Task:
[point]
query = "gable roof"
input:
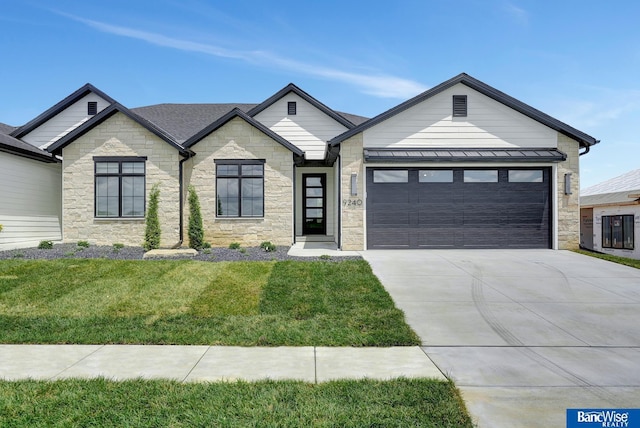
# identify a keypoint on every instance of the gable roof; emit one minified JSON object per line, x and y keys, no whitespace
{"x":308,"y":98}
{"x":236,"y":112}
{"x":12,"y":145}
{"x":463,"y":78}
{"x":183,"y":121}
{"x":59,"y":107}
{"x":629,"y":181}
{"x":104,"y":115}
{"x":623,"y":189}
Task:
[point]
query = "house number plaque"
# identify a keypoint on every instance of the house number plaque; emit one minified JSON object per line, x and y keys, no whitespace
{"x":351,"y":203}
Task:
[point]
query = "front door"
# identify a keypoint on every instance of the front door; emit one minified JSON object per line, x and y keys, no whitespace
{"x":314,"y":209}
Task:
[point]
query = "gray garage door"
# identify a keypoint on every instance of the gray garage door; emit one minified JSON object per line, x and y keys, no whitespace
{"x":458,"y":208}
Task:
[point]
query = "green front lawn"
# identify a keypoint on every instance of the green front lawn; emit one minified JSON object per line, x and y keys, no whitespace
{"x":95,"y":301}
{"x":616,"y":259}
{"x":84,"y":403}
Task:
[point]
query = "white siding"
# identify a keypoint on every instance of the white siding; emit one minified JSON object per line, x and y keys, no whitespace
{"x":598,"y":212}
{"x":488,"y":124}
{"x":30,"y":201}
{"x":64,"y":122}
{"x":309,"y":129}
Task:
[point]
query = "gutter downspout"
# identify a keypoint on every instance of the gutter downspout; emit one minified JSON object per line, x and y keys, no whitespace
{"x":181,"y":201}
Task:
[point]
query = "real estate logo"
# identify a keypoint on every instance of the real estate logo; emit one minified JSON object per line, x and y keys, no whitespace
{"x":603,"y":418}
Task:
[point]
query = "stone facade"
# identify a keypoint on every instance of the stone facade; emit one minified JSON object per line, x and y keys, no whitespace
{"x":239,"y":140}
{"x":568,"y":205}
{"x":118,"y":136}
{"x":353,"y":222}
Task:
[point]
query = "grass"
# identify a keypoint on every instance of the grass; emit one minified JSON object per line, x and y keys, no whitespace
{"x":75,"y":403}
{"x":188,"y":302}
{"x":616,"y":259}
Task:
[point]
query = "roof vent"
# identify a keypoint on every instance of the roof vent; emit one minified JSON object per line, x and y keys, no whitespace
{"x":291,"y":108}
{"x":459,"y":106}
{"x":92,"y":108}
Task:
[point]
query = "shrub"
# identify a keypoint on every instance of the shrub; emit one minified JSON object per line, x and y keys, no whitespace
{"x":206,"y":245}
{"x":117,"y":247}
{"x":152,"y":229}
{"x":83,"y":244}
{"x":268,"y":246}
{"x":45,"y":245}
{"x":325,"y":257}
{"x":196,"y":232}
{"x":234,"y":246}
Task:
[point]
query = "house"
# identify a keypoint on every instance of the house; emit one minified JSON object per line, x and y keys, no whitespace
{"x":30,"y":193}
{"x":610,"y":216}
{"x":461,"y":165}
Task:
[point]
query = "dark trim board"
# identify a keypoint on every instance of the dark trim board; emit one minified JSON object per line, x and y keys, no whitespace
{"x":459,"y":214}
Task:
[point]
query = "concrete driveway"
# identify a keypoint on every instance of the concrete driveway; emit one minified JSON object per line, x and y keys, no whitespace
{"x":525,"y":334}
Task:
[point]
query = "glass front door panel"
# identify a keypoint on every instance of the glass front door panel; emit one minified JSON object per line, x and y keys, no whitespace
{"x":314,"y":211}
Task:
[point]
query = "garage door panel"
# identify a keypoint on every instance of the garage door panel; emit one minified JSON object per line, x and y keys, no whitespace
{"x":390,"y":217}
{"x":390,"y":238}
{"x":443,"y":237}
{"x":417,"y":214}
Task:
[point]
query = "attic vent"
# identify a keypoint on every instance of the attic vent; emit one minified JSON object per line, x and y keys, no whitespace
{"x":92,"y":108}
{"x":291,"y":108}
{"x":459,"y":106}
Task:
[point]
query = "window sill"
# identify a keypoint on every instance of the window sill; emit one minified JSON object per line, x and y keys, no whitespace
{"x":117,"y":219}
{"x":239,"y":218}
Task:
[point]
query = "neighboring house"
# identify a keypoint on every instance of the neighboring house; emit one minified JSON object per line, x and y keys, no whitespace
{"x":460,"y":166}
{"x":610,"y":216}
{"x":30,"y":193}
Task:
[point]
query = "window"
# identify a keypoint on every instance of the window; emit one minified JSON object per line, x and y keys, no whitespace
{"x":119,"y":187}
{"x":292,"y":108}
{"x":525,"y":176}
{"x":435,"y":176}
{"x":481,"y":176}
{"x":459,"y":106}
{"x":92,"y":108}
{"x":390,"y":176}
{"x":617,"y":231}
{"x":240,"y":188}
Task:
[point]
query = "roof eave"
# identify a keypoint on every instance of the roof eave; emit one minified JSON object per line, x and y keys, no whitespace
{"x":104,"y":115}
{"x":59,"y":107}
{"x":584,"y":139}
{"x":305,"y":96}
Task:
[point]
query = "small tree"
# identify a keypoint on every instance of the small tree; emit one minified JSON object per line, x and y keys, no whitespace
{"x":196,"y":232}
{"x":152,"y":230}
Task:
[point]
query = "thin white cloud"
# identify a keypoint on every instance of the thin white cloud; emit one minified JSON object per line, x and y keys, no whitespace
{"x":609,"y":107}
{"x":519,"y":15}
{"x":379,"y":85}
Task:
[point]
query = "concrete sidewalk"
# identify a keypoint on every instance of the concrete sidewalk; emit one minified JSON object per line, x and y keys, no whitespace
{"x":212,"y":363}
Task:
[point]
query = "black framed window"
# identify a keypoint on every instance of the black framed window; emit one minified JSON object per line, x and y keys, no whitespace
{"x":240,"y":188}
{"x":119,"y":187}
{"x":618,"y":231}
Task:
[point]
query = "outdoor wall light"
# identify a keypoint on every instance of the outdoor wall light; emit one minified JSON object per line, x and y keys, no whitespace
{"x":354,"y":184}
{"x":567,"y":184}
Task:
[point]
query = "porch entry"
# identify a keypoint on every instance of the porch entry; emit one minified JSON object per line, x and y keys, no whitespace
{"x":315,"y":204}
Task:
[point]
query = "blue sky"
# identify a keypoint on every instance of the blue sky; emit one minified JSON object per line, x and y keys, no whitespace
{"x":578,"y":61}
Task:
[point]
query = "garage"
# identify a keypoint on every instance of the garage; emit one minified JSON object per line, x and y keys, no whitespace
{"x":492,"y":207}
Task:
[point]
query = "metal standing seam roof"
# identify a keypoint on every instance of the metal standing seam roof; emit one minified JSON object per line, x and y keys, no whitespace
{"x":463,"y":155}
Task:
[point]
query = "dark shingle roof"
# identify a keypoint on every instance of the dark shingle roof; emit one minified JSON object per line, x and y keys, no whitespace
{"x":183,"y":121}
{"x":10,"y":144}
{"x":6,"y":129}
{"x":104,"y":115}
